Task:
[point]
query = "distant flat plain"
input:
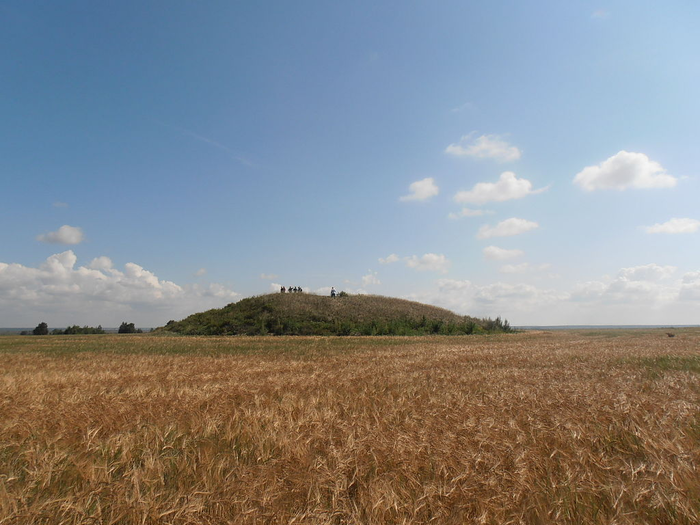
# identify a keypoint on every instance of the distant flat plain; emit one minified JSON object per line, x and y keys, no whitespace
{"x":565,"y":426}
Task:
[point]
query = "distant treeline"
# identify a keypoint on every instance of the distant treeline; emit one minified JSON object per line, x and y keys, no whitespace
{"x":43,"y":329}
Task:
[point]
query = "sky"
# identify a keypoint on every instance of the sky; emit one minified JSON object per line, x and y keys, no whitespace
{"x":536,"y":161}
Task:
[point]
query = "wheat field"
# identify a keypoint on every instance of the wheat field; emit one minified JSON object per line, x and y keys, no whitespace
{"x":570,"y":427}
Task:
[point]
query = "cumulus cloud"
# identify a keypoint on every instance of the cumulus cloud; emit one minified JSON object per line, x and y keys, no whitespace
{"x":421,"y":190}
{"x":64,"y":235}
{"x":428,"y":262}
{"x":507,"y":188}
{"x":523,"y":268}
{"x":467,"y":212}
{"x":649,"y":284}
{"x":647,"y":272}
{"x":60,"y":292}
{"x":370,"y":278}
{"x":675,"y":226}
{"x":390,"y":259}
{"x":690,"y":287}
{"x":644,"y":294}
{"x":484,"y":147}
{"x":432,"y":262}
{"x":101,"y":263}
{"x":625,"y":170}
{"x":506,"y":228}
{"x":494,"y":253}
{"x":513,"y":301}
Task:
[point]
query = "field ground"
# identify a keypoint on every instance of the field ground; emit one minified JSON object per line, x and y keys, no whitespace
{"x":569,"y":427}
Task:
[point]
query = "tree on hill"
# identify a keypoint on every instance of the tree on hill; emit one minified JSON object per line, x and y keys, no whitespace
{"x":127,"y":328}
{"x":41,"y":329}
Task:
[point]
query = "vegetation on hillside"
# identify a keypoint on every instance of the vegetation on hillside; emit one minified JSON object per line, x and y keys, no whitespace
{"x":307,"y":314}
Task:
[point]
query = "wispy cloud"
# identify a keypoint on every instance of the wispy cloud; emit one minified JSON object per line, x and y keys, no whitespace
{"x":467,"y":106}
{"x":468,"y":212}
{"x":484,"y":147}
{"x":506,"y":228}
{"x":494,"y":253}
{"x":201,"y":138}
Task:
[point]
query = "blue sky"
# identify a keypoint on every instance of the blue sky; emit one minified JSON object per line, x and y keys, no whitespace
{"x":534,"y":160}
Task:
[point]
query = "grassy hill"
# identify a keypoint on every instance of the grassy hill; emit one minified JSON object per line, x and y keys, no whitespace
{"x":308,"y":314}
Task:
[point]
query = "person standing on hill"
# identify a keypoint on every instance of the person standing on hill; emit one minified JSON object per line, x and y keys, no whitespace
{"x":283,"y":289}
{"x":332,"y":292}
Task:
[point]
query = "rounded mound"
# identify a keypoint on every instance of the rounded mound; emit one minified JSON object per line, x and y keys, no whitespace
{"x":308,"y":314}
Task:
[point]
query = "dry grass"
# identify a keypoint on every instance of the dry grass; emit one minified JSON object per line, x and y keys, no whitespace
{"x":570,"y":427}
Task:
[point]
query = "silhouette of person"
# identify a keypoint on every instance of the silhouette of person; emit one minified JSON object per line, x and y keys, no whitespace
{"x":332,"y":292}
{"x":282,"y":290}
{"x":300,"y":290}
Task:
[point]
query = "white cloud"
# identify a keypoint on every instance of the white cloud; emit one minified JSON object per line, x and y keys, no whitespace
{"x":507,"y":188}
{"x":101,"y":263}
{"x":690,"y":287}
{"x":514,"y":302}
{"x":268,"y":276}
{"x":645,"y":294}
{"x":494,"y":253}
{"x":506,"y":228}
{"x":648,"y":284}
{"x":514,"y":268}
{"x":60,"y":293}
{"x":467,"y":212}
{"x":463,"y":107}
{"x":523,"y":268}
{"x":390,"y":259}
{"x":64,"y":235}
{"x":484,"y":147}
{"x":647,"y":272}
{"x":200,"y":272}
{"x":370,"y":278}
{"x":625,"y":170}
{"x":421,"y":190}
{"x":429,"y":262}
{"x":675,"y":226}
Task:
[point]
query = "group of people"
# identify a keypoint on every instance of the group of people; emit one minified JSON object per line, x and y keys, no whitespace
{"x":297,"y":289}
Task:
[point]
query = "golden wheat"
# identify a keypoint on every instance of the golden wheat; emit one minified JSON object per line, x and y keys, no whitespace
{"x":562,"y":427}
